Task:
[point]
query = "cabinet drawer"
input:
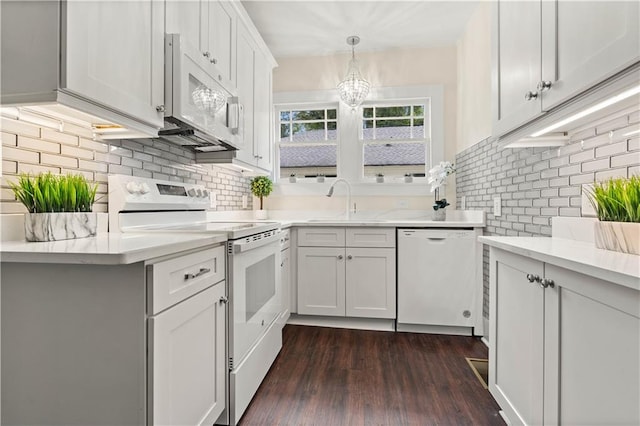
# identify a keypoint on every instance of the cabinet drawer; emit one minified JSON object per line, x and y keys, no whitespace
{"x":173,"y":280}
{"x":321,"y":237}
{"x":371,"y":237}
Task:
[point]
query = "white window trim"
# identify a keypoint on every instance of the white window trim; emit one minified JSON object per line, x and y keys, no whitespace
{"x":350,"y":144}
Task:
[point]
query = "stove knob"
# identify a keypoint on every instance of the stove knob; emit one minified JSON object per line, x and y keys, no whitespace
{"x":144,"y":188}
{"x":191,"y":192}
{"x":199,"y":193}
{"x":205,"y":193}
{"x":133,"y":187}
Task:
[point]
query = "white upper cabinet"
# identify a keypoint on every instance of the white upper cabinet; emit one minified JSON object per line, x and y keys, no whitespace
{"x":547,"y":52}
{"x":190,"y":20}
{"x":584,"y":43}
{"x":102,"y":58}
{"x":262,"y":113}
{"x":115,"y":55}
{"x":245,"y":54}
{"x":221,"y":38}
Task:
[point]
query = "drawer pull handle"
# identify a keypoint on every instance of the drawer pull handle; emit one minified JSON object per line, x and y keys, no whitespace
{"x":202,"y":271}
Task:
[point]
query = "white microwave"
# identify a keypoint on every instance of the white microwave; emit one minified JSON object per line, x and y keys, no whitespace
{"x":200,"y":110}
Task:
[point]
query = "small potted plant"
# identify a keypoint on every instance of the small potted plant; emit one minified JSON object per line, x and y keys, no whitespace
{"x":292,"y":178}
{"x":261,"y":186}
{"x":408,"y":178}
{"x":379,"y":177}
{"x":617,"y":206}
{"x":58,"y":207}
{"x":320,"y":177}
{"x":438,"y":177}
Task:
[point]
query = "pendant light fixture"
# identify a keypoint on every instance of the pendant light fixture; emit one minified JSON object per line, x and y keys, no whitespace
{"x":353,"y":89}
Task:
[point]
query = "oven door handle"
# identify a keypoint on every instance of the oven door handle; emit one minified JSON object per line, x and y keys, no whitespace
{"x":244,"y":245}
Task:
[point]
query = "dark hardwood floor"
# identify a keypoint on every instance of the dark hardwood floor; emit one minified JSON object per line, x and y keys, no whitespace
{"x":329,"y":376}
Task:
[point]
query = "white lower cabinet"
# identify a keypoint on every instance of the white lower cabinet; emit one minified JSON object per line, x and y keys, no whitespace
{"x":567,"y":353}
{"x":346,"y":281}
{"x":187,"y":368}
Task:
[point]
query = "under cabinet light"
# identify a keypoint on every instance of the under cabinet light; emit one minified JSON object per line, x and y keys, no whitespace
{"x":21,"y":114}
{"x":597,"y":107}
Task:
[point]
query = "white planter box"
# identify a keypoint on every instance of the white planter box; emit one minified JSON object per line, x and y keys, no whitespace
{"x":618,"y":236}
{"x":59,"y":226}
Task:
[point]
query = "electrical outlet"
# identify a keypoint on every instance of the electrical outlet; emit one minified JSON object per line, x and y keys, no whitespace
{"x":587,"y":208}
{"x":245,"y":201}
{"x":463,"y":202}
{"x":497,"y":206}
{"x":213,"y":200}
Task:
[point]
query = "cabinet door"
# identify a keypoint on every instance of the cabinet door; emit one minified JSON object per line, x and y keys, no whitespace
{"x":371,"y":282}
{"x":516,"y":63}
{"x":220,"y":38}
{"x":244,"y":77}
{"x":114,"y":55}
{"x":263,"y":146}
{"x":516,"y":344}
{"x":189,"y":19}
{"x":592,"y":351}
{"x":285,"y":274}
{"x":187,"y":361}
{"x":585,"y":42}
{"x":321,"y":281}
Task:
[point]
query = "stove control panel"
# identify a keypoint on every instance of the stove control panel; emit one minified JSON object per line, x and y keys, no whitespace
{"x":130,"y":193}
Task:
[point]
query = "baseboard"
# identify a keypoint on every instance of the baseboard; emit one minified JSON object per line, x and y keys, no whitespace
{"x":435,"y":329}
{"x":377,"y":324}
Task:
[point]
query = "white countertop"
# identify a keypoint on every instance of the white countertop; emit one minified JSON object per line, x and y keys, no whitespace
{"x":105,"y":249}
{"x":392,"y":223}
{"x":579,"y":256}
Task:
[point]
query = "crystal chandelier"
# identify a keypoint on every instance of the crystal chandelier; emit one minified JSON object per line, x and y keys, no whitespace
{"x":208,"y":100}
{"x":353,"y":89}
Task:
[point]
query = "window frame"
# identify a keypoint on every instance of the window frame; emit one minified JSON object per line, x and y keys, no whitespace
{"x":350,"y":156}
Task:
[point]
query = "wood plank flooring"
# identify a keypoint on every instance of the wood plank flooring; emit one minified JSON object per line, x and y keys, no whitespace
{"x":327,"y":376}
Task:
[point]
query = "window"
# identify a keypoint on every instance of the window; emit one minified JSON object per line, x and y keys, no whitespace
{"x":308,"y":141}
{"x":395,"y":139}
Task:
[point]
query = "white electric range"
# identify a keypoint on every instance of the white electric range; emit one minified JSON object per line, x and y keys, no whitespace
{"x":254,"y":337}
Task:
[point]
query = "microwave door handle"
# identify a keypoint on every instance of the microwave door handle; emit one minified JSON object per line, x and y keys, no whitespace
{"x":242,"y":246}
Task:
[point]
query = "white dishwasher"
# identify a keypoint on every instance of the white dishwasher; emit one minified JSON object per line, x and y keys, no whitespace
{"x":437,"y":288}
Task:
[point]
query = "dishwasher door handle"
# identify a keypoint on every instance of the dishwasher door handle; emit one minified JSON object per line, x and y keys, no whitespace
{"x":436,"y":238}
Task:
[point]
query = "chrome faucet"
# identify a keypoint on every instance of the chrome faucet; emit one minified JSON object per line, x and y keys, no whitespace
{"x":330,"y":193}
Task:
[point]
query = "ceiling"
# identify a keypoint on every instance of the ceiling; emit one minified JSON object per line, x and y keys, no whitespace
{"x":321,"y":27}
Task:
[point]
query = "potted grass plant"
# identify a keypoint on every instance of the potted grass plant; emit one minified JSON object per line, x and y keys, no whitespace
{"x":261,"y":186}
{"x":617,"y":205}
{"x":58,"y":207}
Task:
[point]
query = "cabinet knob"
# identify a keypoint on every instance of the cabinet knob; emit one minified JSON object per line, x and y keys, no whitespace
{"x":544,"y":85}
{"x":223,"y":299}
{"x":349,"y":257}
{"x":546,"y":282}
{"x":219,"y":77}
{"x":530,"y":95}
{"x":532,"y":278}
{"x":160,"y":108}
{"x":213,"y":61}
{"x":206,"y":54}
{"x":340,"y":257}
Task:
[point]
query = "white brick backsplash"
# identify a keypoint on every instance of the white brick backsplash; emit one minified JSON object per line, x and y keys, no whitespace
{"x":8,"y":139}
{"x":54,"y":136}
{"x":94,"y":145}
{"x":9,"y":167}
{"x":120,"y":170}
{"x":529,"y":200}
{"x":38,"y":145}
{"x":35,"y":169}
{"x":630,"y":159}
{"x":19,"y":128}
{"x":87,"y":175}
{"x":130,"y":162}
{"x":20,"y":155}
{"x":71,"y":151}
{"x":93,"y":165}
{"x":57,"y":160}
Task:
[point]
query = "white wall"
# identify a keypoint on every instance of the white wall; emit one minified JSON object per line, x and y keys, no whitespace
{"x":474,"y":79}
{"x":397,"y":68}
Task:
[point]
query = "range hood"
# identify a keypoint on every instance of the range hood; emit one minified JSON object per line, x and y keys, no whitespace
{"x":182,"y":134}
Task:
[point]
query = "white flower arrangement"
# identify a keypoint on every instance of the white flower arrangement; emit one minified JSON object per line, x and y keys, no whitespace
{"x":438,"y":174}
{"x":437,"y":177}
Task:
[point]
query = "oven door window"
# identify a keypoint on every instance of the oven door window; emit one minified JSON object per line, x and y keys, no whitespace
{"x":260,"y":287}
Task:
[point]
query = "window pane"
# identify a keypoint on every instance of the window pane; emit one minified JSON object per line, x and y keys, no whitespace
{"x":394,"y":159}
{"x":367,"y":112}
{"x":309,"y":132}
{"x":394,"y":123}
{"x":418,"y":110}
{"x":317,"y":114}
{"x":395,"y":111}
{"x":285,"y":131}
{"x":418,"y":132}
{"x":331,"y":114}
{"x":284,"y":115}
{"x":332,"y":130}
{"x":308,"y":160}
